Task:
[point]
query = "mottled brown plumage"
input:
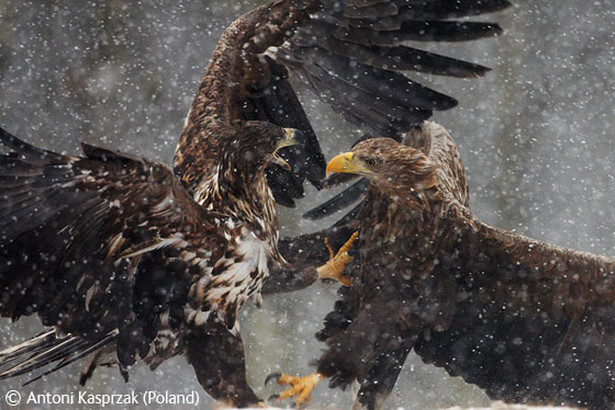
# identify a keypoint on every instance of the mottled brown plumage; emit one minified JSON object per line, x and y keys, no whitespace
{"x":525,"y":320}
{"x":111,"y":249}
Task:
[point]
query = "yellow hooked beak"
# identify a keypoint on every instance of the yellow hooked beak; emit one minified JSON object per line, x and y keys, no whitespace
{"x":291,"y":136}
{"x":345,"y":163}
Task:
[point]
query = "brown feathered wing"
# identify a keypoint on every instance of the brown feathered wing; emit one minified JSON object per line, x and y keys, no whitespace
{"x":526,"y":321}
{"x":351,"y":54}
{"x":531,"y":322}
{"x":108,"y":248}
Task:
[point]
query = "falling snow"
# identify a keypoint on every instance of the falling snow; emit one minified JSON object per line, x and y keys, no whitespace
{"x":537,"y":136}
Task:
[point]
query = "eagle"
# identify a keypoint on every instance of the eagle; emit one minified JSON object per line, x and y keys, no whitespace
{"x":527,"y":321}
{"x":111,"y":249}
{"x":129,"y":259}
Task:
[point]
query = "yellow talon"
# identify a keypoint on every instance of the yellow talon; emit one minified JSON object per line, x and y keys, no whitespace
{"x":335,"y":266}
{"x":329,"y":248}
{"x":300,"y":387}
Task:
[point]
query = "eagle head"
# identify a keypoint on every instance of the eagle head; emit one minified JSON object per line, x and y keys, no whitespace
{"x":258,"y":145}
{"x":391,"y":167}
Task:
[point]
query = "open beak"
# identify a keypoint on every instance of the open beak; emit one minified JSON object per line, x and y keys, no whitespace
{"x":291,"y":137}
{"x":345,"y":163}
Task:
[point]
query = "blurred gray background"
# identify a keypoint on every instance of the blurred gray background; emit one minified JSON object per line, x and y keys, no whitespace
{"x":537,"y":137}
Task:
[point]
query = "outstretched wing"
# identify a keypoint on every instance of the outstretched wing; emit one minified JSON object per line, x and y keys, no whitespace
{"x":350,"y":53}
{"x":101,"y":242}
{"x":370,"y":37}
{"x":533,"y":322}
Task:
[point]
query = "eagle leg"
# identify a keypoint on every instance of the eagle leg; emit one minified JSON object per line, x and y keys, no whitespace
{"x":300,"y":387}
{"x":88,"y":371}
{"x":335,"y":266}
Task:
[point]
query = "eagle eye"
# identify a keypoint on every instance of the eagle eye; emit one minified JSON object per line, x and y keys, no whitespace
{"x":371,"y":162}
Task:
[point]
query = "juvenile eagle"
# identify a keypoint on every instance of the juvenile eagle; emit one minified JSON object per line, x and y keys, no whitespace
{"x":526,"y":321}
{"x":110,"y":249}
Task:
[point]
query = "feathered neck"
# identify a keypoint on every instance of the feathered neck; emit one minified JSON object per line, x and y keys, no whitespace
{"x":241,"y":191}
{"x":424,"y":202}
{"x":421,"y":202}
{"x":420,"y":217}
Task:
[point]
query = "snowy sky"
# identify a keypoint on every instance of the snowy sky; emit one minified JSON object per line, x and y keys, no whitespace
{"x":537,"y":137}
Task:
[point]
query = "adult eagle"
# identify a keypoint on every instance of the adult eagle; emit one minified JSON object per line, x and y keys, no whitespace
{"x":527,"y":321}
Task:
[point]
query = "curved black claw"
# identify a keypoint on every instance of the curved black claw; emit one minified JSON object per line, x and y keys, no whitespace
{"x":272,"y":376}
{"x":276,"y":397}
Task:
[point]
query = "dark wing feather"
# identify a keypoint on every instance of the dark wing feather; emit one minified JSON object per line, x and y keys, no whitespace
{"x":364,"y":41}
{"x":74,"y":231}
{"x":422,"y":9}
{"x":349,"y":53}
{"x":536,"y":323}
{"x":350,"y":85}
{"x":340,"y":201}
{"x":305,"y":253}
{"x":64,"y":350}
{"x":276,"y":102}
{"x":416,"y":31}
{"x":401,"y":58}
{"x":447,"y":9}
{"x":34,"y":345}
